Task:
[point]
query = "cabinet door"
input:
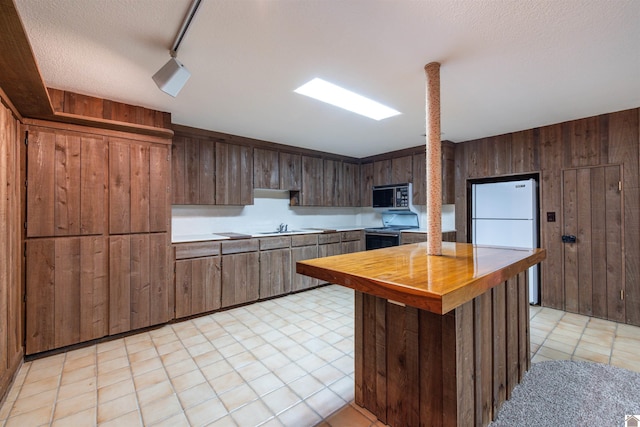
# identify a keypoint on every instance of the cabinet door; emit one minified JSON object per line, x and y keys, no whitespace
{"x":329,"y":249}
{"x":134,"y":192}
{"x":401,"y":169}
{"x":138,"y":286}
{"x":206,"y":173}
{"x":312,"y":181}
{"x":332,"y":183}
{"x":197,"y":286}
{"x":290,"y":171}
{"x":300,"y":282}
{"x":67,"y":291}
{"x":240,"y":278}
{"x":179,"y":172}
{"x":266,"y":169}
{"x":350,"y":195}
{"x":66,"y":190}
{"x":419,"y":179}
{"x":234,"y":174}
{"x":366,"y":184}
{"x":382,"y":172}
{"x":275,"y":273}
{"x":448,"y":173}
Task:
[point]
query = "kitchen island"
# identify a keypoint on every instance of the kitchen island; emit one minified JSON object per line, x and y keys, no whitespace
{"x":439,"y":340}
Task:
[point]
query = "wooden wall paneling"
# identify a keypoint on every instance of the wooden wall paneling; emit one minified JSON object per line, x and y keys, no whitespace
{"x":290,"y":171}
{"x":66,"y":304}
{"x":583,"y":232}
{"x":450,"y":363}
{"x":6,"y":264}
{"x":366,"y":183}
{"x":570,"y":227}
{"x":583,"y":146}
{"x":94,"y":288}
{"x":401,"y":169}
{"x":524,"y":335}
{"x":431,"y":364}
{"x":159,"y":208}
{"x":119,"y":284}
{"x":119,"y":187}
{"x":461,"y":174}
{"x":525,"y":154}
{"x":206,"y":172}
{"x":67,"y":191}
{"x":140,"y":285}
{"x":40,"y":289}
{"x":93,"y":185}
{"x":419,"y":179}
{"x":332,"y":186}
{"x":465,"y":364}
{"x":382,"y":172}
{"x":178,"y":171}
{"x":598,"y":250}
{"x":498,"y":155}
{"x":139,"y":192}
{"x":266,"y":169}
{"x":358,"y":326}
{"x":477,"y":158}
{"x":312,"y":181}
{"x":41,"y":183}
{"x":614,"y":244}
{"x":499,"y":343}
{"x":483,"y":364}
{"x":550,"y":148}
{"x":161,"y":291}
{"x":350,"y":194}
{"x":403,"y":392}
{"x":512,"y":342}
{"x":623,"y":134}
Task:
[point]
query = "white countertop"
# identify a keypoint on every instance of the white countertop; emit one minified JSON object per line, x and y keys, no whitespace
{"x":423,"y":230}
{"x":197,"y":238}
{"x":185,"y":238}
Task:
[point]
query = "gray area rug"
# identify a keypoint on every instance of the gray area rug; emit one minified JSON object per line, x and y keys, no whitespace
{"x":566,"y":393}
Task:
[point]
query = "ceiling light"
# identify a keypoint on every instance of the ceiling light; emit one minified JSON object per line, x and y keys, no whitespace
{"x":173,"y":75}
{"x":335,"y":95}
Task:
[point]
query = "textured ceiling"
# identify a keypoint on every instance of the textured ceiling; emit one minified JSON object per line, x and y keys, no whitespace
{"x":506,"y":65}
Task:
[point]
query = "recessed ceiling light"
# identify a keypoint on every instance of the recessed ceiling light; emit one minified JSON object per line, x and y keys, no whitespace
{"x":335,"y":95}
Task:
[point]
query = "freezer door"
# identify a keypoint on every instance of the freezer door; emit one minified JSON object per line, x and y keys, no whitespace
{"x":515,"y":233}
{"x":513,"y":199}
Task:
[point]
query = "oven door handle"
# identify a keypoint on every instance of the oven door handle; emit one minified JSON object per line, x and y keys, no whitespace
{"x":382,"y":234}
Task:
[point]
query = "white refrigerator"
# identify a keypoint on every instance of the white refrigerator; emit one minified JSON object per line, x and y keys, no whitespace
{"x":505,"y":214}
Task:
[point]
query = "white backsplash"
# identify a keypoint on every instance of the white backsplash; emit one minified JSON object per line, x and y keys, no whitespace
{"x":270,"y":208}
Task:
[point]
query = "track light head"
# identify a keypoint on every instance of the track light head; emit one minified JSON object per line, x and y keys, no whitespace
{"x":172,"y":77}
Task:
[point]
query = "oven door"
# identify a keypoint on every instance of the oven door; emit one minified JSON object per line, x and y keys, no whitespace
{"x":381,"y":240}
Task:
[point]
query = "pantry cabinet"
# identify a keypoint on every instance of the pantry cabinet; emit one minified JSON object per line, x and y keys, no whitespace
{"x":67,"y":291}
{"x":66,"y":187}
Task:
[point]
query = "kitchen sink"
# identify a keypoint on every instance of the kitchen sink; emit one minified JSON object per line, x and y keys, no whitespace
{"x":281,"y":232}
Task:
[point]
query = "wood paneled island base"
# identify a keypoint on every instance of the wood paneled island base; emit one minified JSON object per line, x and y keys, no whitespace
{"x":417,"y":364}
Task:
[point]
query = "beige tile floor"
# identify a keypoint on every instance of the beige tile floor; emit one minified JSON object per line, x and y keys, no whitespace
{"x":283,"y":362}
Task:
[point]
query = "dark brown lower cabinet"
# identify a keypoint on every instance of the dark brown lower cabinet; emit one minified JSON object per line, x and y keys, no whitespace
{"x":139,"y":294}
{"x":352,"y":241}
{"x":67,"y":291}
{"x":303,"y":247}
{"x":275,"y":272}
{"x":329,"y":244}
{"x":240,"y":272}
{"x":197,"y":285}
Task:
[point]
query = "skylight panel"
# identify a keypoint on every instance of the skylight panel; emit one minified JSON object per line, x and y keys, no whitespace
{"x":335,"y":95}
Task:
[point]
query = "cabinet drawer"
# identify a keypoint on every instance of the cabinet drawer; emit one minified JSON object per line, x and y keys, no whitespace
{"x":239,"y":246}
{"x":329,"y":238}
{"x":281,"y":242}
{"x":351,"y":235}
{"x":408,"y":238}
{"x":304,"y":240}
{"x":196,"y":250}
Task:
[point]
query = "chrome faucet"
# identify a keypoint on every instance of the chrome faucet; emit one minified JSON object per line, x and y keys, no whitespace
{"x":282,"y":228}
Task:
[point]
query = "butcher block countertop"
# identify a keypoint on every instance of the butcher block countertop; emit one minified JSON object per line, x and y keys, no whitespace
{"x":407,"y":275}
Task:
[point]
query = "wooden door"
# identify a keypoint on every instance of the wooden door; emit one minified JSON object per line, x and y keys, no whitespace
{"x":65,"y":183}
{"x":593,"y":265}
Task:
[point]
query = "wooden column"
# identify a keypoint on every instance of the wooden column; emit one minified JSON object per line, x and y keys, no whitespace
{"x":434,"y":161}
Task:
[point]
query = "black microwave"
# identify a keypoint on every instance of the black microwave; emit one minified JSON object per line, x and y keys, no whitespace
{"x":396,"y":196}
